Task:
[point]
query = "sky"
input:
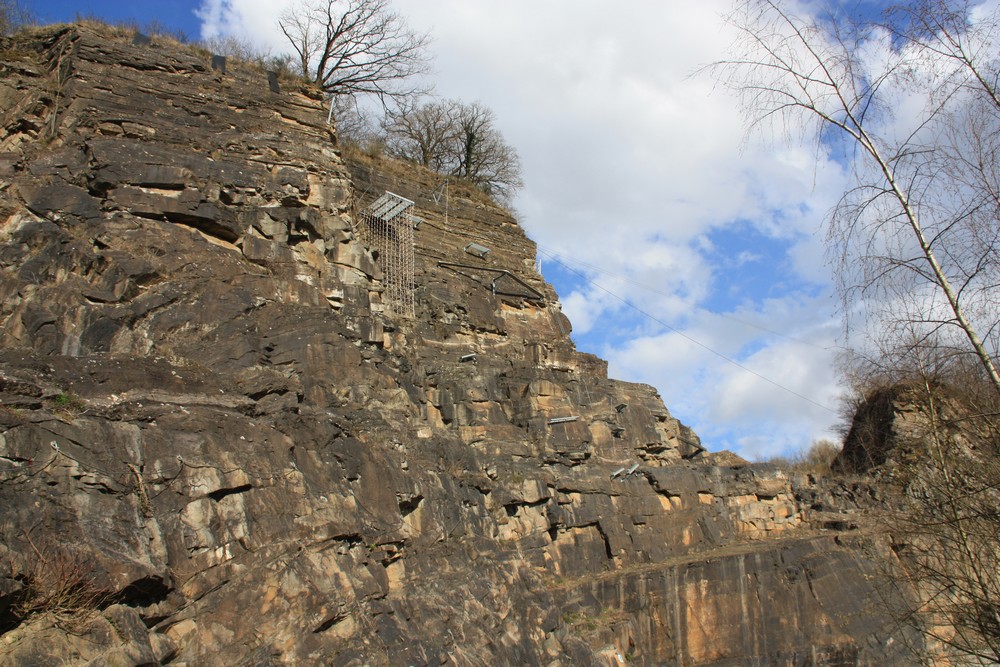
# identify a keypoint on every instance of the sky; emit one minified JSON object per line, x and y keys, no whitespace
{"x":685,"y":252}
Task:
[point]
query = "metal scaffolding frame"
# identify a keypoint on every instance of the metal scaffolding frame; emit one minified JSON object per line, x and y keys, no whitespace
{"x":387,"y":227}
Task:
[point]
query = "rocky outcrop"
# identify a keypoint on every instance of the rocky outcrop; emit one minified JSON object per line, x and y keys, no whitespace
{"x":218,"y":445}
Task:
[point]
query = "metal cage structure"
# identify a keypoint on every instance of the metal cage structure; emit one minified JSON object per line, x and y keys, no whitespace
{"x":386,"y":226}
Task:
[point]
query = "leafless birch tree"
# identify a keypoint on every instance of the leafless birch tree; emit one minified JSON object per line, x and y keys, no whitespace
{"x":911,"y":102}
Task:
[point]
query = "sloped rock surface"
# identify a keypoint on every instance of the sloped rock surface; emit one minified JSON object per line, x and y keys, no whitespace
{"x":218,"y":448}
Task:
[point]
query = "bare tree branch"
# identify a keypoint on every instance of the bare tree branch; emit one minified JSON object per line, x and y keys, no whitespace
{"x":356,"y":47}
{"x":917,"y":245}
{"x":916,"y":208}
{"x":13,"y":15}
{"x":456,"y":138}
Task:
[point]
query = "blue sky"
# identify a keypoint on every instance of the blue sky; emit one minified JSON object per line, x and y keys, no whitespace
{"x":179,"y":14}
{"x":688,"y":255}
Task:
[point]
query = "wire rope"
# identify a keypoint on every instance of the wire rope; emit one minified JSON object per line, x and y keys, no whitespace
{"x":562,"y":260}
{"x":687,"y":337}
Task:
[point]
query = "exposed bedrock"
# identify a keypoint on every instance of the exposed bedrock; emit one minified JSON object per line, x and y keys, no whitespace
{"x":219,"y":446}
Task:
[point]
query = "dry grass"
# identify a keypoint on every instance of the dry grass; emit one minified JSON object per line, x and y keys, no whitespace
{"x":370,"y":154}
{"x":817,"y":460}
{"x":56,"y":583}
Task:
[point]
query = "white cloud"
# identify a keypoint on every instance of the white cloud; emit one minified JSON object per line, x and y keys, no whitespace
{"x":256,"y":20}
{"x":585,"y":308}
{"x":632,"y":167}
{"x":210,"y":15}
{"x":729,"y":406}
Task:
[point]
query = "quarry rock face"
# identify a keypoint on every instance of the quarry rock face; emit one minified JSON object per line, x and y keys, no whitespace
{"x":222,"y":444}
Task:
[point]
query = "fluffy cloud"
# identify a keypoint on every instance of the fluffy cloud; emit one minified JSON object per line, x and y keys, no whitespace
{"x":756,"y":391}
{"x":255,"y":20}
{"x":638,"y":176}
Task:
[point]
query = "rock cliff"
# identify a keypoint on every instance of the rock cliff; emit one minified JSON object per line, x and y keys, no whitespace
{"x":221,"y":443}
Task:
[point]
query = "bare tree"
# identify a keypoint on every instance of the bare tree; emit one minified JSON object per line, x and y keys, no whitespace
{"x":911,"y":105}
{"x":946,"y":31}
{"x":352,"y":47}
{"x":916,"y":238}
{"x":358,"y":124}
{"x":424,"y":133}
{"x":483,"y":156}
{"x":13,"y":15}
{"x":910,"y":102}
{"x":457,"y":138}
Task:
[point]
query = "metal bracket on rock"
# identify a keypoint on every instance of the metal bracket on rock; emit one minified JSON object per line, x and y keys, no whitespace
{"x":499,"y":274}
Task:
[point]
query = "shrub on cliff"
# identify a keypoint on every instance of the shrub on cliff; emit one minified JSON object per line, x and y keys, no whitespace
{"x":934,"y":442}
{"x":816,"y":460}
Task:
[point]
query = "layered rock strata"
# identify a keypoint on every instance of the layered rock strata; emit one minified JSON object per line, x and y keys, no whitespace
{"x":217,"y":445}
